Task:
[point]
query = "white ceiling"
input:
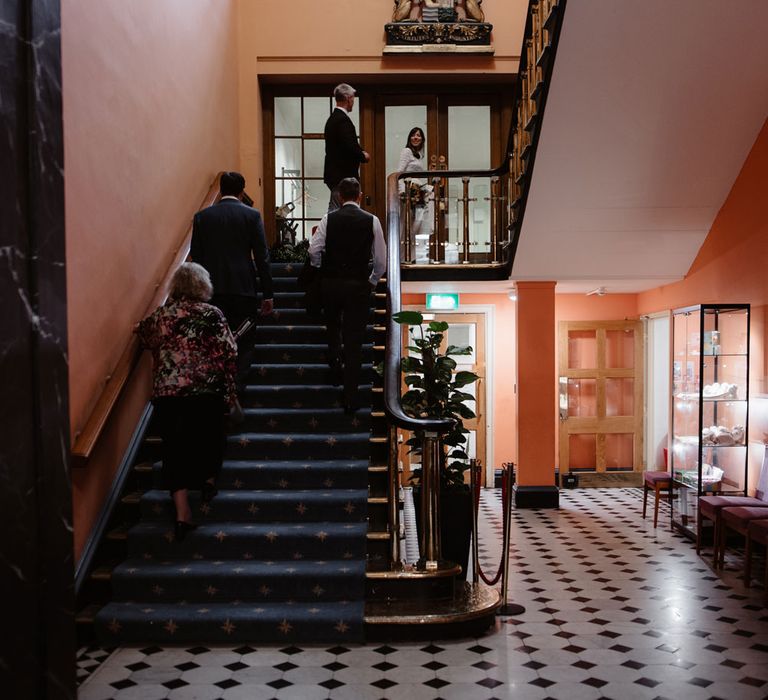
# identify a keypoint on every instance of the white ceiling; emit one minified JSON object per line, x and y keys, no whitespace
{"x":653,"y":107}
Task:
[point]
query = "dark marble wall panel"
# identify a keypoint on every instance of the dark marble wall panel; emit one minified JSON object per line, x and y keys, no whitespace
{"x":37,"y":645}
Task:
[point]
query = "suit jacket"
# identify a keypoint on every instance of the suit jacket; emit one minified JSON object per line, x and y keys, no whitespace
{"x":343,"y":154}
{"x":228,"y":240}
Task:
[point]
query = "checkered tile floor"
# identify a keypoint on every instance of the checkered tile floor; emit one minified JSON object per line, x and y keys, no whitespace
{"x":614,"y":609}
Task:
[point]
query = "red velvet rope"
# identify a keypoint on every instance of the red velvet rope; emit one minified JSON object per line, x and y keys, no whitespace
{"x":504,"y":486}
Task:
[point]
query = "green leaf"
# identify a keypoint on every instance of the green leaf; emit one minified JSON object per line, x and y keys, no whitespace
{"x":466,"y":412}
{"x":412,"y":318}
{"x":460,"y":396}
{"x":412,"y":364}
{"x":464,"y":378}
{"x":446,"y":361}
{"x":414,"y":381}
{"x":438,"y":326}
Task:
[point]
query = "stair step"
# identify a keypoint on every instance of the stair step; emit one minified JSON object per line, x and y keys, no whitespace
{"x":288,"y":446}
{"x":264,"y":505}
{"x":246,"y":580}
{"x":250,"y":541}
{"x":119,"y":623}
{"x":306,"y":420}
{"x":298,"y":396}
{"x":300,"y":352}
{"x":306,"y":333}
{"x":286,"y":374}
{"x":293,"y":474}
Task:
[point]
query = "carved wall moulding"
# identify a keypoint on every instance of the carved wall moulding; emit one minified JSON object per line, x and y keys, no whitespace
{"x":438,"y":37}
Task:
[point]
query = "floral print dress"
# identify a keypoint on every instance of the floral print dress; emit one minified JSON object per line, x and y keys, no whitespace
{"x":193,"y":350}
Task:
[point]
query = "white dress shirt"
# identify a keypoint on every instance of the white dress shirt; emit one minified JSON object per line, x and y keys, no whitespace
{"x":378,"y":247}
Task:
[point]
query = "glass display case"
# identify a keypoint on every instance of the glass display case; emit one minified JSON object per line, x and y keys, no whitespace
{"x":710,"y":411}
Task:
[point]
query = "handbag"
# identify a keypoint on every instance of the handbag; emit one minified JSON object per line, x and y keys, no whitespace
{"x":309,"y":280}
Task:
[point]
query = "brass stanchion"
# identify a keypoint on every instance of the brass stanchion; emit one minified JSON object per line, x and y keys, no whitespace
{"x":508,"y":608}
{"x":393,"y":502}
{"x":430,"y":502}
{"x":474,"y":481}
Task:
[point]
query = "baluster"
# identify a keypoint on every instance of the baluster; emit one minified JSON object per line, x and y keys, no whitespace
{"x":466,"y":200}
{"x":430,"y":502}
{"x":434,"y":241}
{"x":407,"y":219}
{"x":495,"y":231}
{"x":393,"y":502}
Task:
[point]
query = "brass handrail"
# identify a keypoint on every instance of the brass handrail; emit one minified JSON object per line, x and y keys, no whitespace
{"x":88,"y":437}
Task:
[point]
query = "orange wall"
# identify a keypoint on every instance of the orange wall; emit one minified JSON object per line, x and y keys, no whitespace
{"x":732,"y":267}
{"x":150,"y":115}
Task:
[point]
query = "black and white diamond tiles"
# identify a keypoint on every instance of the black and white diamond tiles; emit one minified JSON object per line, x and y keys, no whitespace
{"x":614,"y":609}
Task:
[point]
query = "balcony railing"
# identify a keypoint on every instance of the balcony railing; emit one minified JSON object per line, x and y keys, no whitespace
{"x":451,"y":220}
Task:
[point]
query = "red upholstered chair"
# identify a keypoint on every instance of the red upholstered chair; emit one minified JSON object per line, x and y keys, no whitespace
{"x":756,"y":532}
{"x":710,"y":507}
{"x":738,"y":520}
{"x":659,"y":482}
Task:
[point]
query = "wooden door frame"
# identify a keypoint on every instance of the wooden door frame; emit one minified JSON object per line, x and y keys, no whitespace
{"x":617,"y":424}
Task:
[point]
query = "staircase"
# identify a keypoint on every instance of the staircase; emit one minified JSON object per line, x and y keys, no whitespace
{"x":280,"y":553}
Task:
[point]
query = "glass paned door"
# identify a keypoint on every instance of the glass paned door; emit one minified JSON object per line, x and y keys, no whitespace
{"x":601,"y":385}
{"x":464,"y":329}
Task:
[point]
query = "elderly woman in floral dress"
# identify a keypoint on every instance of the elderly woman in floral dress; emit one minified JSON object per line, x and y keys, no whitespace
{"x":194,"y":356}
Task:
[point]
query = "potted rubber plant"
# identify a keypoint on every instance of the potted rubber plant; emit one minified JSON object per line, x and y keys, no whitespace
{"x":435,"y":390}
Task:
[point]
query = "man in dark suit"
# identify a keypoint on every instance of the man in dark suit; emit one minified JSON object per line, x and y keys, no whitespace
{"x":345,"y":241}
{"x":343,"y":153}
{"x":228,"y":240}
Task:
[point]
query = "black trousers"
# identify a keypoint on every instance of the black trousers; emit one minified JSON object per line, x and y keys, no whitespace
{"x":236,"y":308}
{"x":192,"y":429}
{"x":346,"y":304}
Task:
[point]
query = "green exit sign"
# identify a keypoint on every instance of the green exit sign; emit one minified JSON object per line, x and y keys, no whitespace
{"x":443,"y":301}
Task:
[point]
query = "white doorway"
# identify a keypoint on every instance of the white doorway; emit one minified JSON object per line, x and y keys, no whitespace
{"x":658,"y":397}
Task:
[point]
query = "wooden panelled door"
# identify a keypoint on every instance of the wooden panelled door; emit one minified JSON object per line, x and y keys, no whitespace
{"x":601,"y":399}
{"x":464,"y":329}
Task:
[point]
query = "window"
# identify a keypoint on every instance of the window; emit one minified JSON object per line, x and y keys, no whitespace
{"x":301,"y":197}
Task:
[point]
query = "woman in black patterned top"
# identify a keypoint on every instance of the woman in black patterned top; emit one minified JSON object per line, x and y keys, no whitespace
{"x":194,"y":356}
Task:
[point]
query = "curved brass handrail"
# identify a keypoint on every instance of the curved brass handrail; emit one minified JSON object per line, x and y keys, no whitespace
{"x":86,"y":439}
{"x":392,"y":377}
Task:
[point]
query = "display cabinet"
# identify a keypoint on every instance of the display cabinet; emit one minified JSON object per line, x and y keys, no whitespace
{"x":710,"y":409}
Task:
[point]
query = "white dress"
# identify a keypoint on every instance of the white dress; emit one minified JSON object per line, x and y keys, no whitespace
{"x":422,"y":221}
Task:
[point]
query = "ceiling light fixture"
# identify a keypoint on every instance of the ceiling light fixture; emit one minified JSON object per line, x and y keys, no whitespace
{"x":598,"y":291}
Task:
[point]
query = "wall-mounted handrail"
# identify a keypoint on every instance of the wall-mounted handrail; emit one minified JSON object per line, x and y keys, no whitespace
{"x":88,"y":437}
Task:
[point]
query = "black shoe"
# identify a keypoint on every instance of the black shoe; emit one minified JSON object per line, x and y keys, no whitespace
{"x":208,"y":492}
{"x":182,"y":528}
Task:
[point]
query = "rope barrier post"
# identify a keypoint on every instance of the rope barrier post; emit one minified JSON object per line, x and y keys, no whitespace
{"x":393,"y":495}
{"x":475,"y":491}
{"x":507,"y":608}
{"x":430,"y":502}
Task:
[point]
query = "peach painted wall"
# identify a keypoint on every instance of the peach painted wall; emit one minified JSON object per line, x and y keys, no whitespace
{"x":732,"y":267}
{"x":150,"y":116}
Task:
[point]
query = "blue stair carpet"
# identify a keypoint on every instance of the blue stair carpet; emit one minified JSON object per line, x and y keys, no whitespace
{"x":279,"y":554}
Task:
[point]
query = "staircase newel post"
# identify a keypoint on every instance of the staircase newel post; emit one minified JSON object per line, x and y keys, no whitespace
{"x":407,"y":222}
{"x":430,"y":502}
{"x":393,"y":495}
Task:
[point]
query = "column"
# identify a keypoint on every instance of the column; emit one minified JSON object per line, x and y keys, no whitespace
{"x":536,"y":396}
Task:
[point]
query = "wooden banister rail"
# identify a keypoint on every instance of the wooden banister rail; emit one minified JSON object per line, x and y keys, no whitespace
{"x":88,"y":437}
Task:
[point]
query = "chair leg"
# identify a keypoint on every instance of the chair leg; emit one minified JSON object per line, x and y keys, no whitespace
{"x":699,"y":529}
{"x":748,"y":562}
{"x":657,"y":495}
{"x":721,"y":530}
{"x":645,"y":498}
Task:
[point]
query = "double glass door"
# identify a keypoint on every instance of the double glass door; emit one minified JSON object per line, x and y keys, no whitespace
{"x":462,"y":133}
